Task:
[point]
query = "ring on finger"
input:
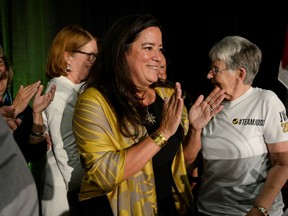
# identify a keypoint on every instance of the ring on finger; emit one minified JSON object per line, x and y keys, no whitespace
{"x":211,"y":108}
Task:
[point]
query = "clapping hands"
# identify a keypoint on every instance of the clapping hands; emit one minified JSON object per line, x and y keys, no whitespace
{"x":22,"y":100}
{"x":24,"y":96}
{"x":40,"y":102}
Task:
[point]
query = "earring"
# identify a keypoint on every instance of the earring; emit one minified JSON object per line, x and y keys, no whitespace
{"x":68,"y":68}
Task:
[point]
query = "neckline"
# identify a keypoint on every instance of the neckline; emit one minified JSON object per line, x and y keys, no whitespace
{"x":149,"y":97}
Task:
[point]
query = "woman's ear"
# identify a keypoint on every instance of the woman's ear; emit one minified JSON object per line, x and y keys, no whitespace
{"x":67,"y":57}
{"x":241,"y":73}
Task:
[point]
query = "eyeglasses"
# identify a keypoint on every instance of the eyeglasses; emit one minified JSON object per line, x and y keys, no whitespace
{"x":217,"y":70}
{"x":90,"y":56}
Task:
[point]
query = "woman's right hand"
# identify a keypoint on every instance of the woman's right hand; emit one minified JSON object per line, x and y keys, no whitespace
{"x":8,"y":113}
{"x":171,"y":114}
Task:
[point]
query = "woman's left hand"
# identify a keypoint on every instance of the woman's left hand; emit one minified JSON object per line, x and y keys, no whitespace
{"x":202,"y":110}
{"x":41,"y":102}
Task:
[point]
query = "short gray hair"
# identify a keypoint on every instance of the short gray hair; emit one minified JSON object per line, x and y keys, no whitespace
{"x":238,"y":52}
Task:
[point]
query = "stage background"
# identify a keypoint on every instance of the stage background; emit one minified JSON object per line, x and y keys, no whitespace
{"x":190,"y":29}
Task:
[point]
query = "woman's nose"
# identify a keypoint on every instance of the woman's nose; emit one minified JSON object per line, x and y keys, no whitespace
{"x":210,"y":74}
{"x":158,"y":56}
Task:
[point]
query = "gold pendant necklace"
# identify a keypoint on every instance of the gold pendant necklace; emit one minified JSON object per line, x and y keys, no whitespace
{"x":150,"y":118}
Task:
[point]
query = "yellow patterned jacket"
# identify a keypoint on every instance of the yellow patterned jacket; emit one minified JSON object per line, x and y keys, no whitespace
{"x":103,"y":153}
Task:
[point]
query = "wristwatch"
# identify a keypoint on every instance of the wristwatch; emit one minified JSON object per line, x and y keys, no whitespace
{"x":262,"y":209}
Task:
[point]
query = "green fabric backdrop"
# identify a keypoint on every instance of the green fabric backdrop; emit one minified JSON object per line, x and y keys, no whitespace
{"x":29,"y":26}
{"x":27,"y":35}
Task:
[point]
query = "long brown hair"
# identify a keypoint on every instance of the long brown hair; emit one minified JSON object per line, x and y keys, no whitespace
{"x":111,"y":74}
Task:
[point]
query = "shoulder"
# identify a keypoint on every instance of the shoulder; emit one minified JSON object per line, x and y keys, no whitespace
{"x":61,"y":82}
{"x":91,"y":96}
{"x":265,"y":94}
{"x":164,"y":91}
{"x":90,"y":92}
{"x":267,"y":99}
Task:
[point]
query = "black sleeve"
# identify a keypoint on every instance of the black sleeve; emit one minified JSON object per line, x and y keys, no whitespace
{"x":31,"y":152}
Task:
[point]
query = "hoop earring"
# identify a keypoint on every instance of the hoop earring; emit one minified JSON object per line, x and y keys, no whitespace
{"x":68,"y":68}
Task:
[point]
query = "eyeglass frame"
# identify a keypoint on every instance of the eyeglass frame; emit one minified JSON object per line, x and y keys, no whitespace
{"x":93,"y":58}
{"x":217,"y":70}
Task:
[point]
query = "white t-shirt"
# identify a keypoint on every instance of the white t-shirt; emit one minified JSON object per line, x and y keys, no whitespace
{"x":235,"y":153}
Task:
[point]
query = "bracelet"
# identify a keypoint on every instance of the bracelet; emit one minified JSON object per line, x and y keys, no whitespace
{"x":37,"y":134}
{"x":262,"y":209}
{"x":158,"y":138}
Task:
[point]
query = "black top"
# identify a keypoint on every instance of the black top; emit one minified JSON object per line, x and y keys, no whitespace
{"x":163,"y":159}
{"x":31,"y":152}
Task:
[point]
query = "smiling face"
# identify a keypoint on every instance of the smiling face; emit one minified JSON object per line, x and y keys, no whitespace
{"x":80,"y":62}
{"x":145,"y":56}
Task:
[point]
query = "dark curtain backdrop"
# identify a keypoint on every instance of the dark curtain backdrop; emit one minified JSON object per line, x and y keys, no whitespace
{"x":190,"y":29}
